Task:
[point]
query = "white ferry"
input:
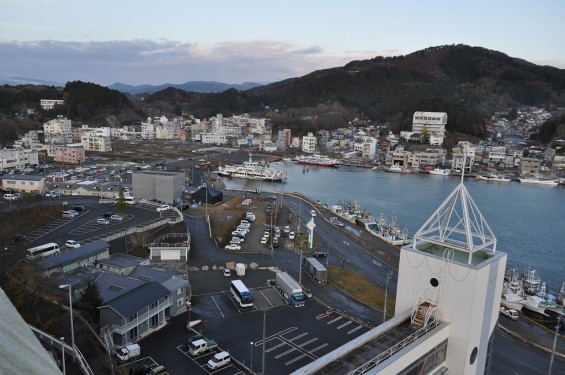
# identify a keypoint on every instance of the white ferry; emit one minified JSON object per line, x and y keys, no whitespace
{"x":316,"y":159}
{"x":251,"y":170}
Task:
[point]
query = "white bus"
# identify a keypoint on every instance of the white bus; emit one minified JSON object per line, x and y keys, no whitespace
{"x":128,"y":199}
{"x":42,"y":251}
{"x":241,"y":294}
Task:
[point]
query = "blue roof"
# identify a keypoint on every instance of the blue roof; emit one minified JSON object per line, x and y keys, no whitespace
{"x":111,"y":285}
{"x":71,"y":256}
{"x":151,"y":274}
{"x":144,"y":295}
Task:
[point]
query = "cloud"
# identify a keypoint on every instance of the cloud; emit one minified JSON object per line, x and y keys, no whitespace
{"x":165,"y":61}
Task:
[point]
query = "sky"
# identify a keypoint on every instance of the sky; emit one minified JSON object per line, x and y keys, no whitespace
{"x":156,"y":42}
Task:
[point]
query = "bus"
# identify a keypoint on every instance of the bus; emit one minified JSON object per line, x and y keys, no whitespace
{"x":42,"y":251}
{"x":241,"y":294}
{"x":128,"y":199}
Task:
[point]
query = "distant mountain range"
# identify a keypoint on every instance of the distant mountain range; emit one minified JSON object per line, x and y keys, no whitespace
{"x":192,"y":86}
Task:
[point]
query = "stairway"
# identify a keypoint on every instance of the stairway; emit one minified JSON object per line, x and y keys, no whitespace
{"x":107,"y":338}
{"x":422,"y":314}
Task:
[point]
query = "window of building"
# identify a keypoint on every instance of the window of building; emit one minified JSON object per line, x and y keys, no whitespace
{"x":180,"y":302}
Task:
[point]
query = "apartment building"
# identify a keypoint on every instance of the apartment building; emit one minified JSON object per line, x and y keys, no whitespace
{"x":70,"y":154}
{"x":214,"y":138}
{"x":58,"y":131}
{"x":33,"y":184}
{"x":17,"y":158}
{"x":529,"y":166}
{"x":47,"y":104}
{"x":309,"y":143}
{"x":432,"y":123}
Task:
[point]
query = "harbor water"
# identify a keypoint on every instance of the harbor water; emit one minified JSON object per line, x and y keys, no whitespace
{"x":527,"y":220}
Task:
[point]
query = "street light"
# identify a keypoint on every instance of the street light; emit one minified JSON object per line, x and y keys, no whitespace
{"x":63,"y":355}
{"x":71,"y":313}
{"x":251,"y":367}
{"x":388,"y":276}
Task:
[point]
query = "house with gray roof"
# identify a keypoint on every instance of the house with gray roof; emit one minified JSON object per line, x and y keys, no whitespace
{"x":121,"y":263}
{"x":66,"y":261}
{"x":133,"y":315}
{"x":33,"y":184}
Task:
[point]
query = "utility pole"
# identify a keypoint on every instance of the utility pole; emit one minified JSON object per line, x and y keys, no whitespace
{"x":263,"y":356}
{"x":388,"y":276}
{"x":554,"y":345}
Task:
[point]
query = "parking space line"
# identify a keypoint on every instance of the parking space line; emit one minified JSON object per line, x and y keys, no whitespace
{"x":295,"y":359}
{"x":266,"y":298}
{"x":354,"y":329}
{"x":321,"y":316}
{"x":308,"y":342}
{"x":273,"y":336}
{"x":318,"y":348}
{"x":292,"y":349}
{"x":297,"y":337}
{"x":275,"y":347}
{"x":334,"y":320}
{"x":345,"y":324}
{"x":218,"y":307}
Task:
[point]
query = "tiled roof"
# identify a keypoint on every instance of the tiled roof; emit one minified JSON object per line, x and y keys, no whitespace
{"x":142,"y":296}
{"x":151,"y":274}
{"x":111,"y":285}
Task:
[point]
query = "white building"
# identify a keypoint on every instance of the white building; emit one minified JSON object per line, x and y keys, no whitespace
{"x":496,"y":155}
{"x":450,"y":282}
{"x":58,"y":131}
{"x":309,"y":143}
{"x":369,"y":147}
{"x":48,"y":104}
{"x":17,"y":158}
{"x":433,"y":122}
{"x":463,"y":156}
{"x":215,"y":138}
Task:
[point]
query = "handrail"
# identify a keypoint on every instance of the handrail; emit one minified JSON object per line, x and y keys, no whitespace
{"x":395,"y":348}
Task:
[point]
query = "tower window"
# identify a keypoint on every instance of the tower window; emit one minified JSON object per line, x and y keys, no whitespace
{"x":434,"y":282}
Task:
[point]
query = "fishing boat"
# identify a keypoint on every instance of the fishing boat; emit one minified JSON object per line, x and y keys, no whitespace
{"x":538,"y":181}
{"x":492,"y":177}
{"x":251,"y":170}
{"x":316,"y":159}
{"x":388,"y":231}
{"x":440,"y":172}
{"x":512,"y":291}
{"x":396,"y":168}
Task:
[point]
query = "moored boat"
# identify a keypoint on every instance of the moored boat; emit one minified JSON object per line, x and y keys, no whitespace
{"x":538,"y":181}
{"x":396,"y":168}
{"x":440,"y":172}
{"x":316,"y":159}
{"x":251,"y":170}
{"x":492,"y":177}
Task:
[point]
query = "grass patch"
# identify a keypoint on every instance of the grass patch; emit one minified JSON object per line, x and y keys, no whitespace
{"x":358,"y":287}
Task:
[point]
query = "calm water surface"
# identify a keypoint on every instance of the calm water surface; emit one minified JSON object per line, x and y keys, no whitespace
{"x":528,"y":221}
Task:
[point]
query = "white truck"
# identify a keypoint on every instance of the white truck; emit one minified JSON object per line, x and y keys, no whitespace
{"x":201,"y":346}
{"x":128,"y":352}
{"x":289,"y":289}
{"x":509,"y":313}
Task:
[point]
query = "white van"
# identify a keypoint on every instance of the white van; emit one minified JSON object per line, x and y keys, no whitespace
{"x":10,"y":197}
{"x":219,"y":360}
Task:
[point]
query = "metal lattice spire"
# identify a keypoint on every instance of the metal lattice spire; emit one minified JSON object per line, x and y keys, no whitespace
{"x":458,"y":224}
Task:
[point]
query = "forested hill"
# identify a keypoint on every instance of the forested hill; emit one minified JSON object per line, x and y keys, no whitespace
{"x":385,"y":86}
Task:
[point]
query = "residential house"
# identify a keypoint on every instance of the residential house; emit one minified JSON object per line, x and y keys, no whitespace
{"x":70,"y":154}
{"x":66,"y":261}
{"x":33,"y":184}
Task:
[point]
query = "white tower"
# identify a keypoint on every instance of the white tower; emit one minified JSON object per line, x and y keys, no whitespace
{"x":452,"y":272}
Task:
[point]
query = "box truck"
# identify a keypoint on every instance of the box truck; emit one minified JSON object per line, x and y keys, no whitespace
{"x":315,"y":270}
{"x":289,"y":289}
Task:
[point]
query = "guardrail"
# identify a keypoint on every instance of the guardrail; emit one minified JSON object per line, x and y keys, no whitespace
{"x":47,"y":338}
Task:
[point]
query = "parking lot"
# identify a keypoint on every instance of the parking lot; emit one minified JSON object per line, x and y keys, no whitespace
{"x":201,"y":360}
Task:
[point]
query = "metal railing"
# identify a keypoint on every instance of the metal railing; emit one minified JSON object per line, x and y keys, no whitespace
{"x":396,"y":347}
{"x":47,"y":338}
{"x":114,"y":328}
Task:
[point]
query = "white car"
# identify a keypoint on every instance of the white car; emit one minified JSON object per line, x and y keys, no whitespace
{"x":163,"y":207}
{"x":72,"y":244}
{"x":264,"y":240}
{"x":102,"y":221}
{"x":233,"y":247}
{"x":291,"y":236}
{"x":312,"y":213}
{"x":236,"y":240}
{"x":227,"y":272}
{"x":116,"y":218}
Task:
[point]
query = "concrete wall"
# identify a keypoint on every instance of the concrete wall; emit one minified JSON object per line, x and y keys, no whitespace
{"x":164,"y":186}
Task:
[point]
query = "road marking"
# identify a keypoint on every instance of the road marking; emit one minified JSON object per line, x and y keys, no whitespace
{"x":345,"y":324}
{"x":321,"y":316}
{"x":354,"y":329}
{"x":318,"y":348}
{"x":295,"y":359}
{"x":283,"y":332}
{"x":308,"y":342}
{"x":218,"y":307}
{"x":334,"y":320}
{"x":266,"y":298}
{"x":297,"y":337}
{"x":275,"y":347}
{"x":292,"y":349}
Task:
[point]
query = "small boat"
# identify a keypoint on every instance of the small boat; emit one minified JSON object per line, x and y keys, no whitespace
{"x":396,"y":168}
{"x":440,"y":172}
{"x":538,"y":181}
{"x":492,"y":177}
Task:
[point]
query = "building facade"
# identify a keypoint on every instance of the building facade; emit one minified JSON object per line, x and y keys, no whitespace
{"x":11,"y":159}
{"x":163,"y":186}
{"x":309,"y":143}
{"x":32,"y":184}
{"x":432,"y":123}
{"x":47,"y":104}
{"x":70,"y":154}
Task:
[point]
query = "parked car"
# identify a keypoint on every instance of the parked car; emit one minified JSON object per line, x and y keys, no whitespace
{"x":163,"y":207}
{"x":20,"y":238}
{"x":312,"y":213}
{"x":233,"y":247}
{"x":275,"y":242}
{"x":72,"y":244}
{"x":291,"y":236}
{"x":227,"y":272}
{"x":80,"y":209}
{"x":236,"y":240}
{"x":107,"y":215}
{"x":320,"y":253}
{"x":70,"y":214}
{"x":264,"y":240}
{"x":102,"y":221}
{"x":116,"y":218}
